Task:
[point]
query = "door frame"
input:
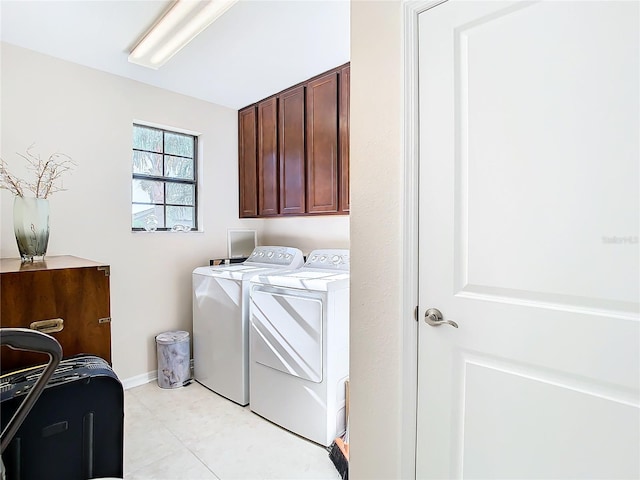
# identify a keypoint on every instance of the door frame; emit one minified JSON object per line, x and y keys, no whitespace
{"x":410,"y":241}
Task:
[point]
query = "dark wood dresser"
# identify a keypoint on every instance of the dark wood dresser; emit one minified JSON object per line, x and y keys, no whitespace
{"x":65,"y":296}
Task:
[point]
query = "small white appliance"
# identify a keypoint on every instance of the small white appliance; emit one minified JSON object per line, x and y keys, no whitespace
{"x":221,"y":319}
{"x":299,"y":353}
{"x":241,"y":243}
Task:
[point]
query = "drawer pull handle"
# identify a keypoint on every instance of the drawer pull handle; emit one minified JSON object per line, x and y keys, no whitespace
{"x":52,"y":325}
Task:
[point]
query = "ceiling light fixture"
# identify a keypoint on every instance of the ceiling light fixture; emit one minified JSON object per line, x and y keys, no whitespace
{"x":181,"y":24}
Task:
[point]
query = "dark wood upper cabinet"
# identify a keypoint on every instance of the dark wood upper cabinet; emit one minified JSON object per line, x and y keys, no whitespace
{"x":292,"y":164}
{"x":247,"y":161}
{"x":297,"y":161}
{"x":268,"y":157}
{"x":343,"y":140}
{"x":322,"y":144}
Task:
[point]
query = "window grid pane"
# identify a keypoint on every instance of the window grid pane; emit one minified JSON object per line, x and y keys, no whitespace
{"x":145,"y":216}
{"x":147,"y":138}
{"x":148,"y":191}
{"x":180,"y":216}
{"x":164,"y":180}
{"x":179,"y":194}
{"x":147,"y":162}
{"x":178,"y":144}
{"x":178,"y":167}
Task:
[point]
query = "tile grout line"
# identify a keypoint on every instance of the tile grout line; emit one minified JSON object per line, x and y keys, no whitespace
{"x":158,"y":418}
{"x":152,"y":415}
{"x":188,"y":449}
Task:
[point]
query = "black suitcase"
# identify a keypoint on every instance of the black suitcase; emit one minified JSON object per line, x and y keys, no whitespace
{"x":76,"y":428}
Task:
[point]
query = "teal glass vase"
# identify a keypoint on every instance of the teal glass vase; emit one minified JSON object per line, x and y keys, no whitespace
{"x":31,"y":227}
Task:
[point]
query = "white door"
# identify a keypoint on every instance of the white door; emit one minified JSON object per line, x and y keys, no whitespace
{"x":529,"y":220}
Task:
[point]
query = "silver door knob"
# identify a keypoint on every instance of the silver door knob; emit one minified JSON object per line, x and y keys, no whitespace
{"x":433,"y":317}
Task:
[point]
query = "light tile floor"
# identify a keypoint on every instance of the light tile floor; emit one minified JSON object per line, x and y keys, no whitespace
{"x":193,"y":433}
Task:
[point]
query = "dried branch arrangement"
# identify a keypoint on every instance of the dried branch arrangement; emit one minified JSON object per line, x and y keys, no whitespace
{"x":48,"y":174}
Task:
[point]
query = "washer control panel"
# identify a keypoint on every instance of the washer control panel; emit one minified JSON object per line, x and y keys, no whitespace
{"x":328,"y":259}
{"x":281,"y":256}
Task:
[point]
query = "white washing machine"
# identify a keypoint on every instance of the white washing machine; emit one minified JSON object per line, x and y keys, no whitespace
{"x":299,"y":353}
{"x":221,"y":319}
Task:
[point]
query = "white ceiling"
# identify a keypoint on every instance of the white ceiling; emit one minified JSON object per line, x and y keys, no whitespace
{"x":257,"y":48}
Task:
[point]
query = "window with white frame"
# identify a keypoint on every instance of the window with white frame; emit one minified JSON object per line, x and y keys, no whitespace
{"x":164,"y":186}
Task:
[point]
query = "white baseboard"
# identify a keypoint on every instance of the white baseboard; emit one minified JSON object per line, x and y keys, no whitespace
{"x":138,"y":380}
{"x":143,"y":378}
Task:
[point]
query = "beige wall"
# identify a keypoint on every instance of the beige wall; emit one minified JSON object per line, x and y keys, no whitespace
{"x":88,"y":115}
{"x":376,"y":241}
{"x":307,"y":233}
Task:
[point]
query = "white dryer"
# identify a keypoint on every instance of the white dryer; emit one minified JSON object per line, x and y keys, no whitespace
{"x":221,"y":319}
{"x":299,"y":357}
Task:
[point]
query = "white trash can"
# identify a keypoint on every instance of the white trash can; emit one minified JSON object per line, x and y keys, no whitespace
{"x":173,"y":359}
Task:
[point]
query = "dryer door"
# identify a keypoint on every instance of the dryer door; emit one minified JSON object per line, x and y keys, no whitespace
{"x":286,"y":333}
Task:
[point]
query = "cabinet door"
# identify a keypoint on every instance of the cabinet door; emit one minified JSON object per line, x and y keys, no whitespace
{"x":345,"y":80}
{"x":247,"y":154}
{"x":322,"y":144}
{"x":78,"y":296}
{"x":268,"y":157}
{"x":291,"y":130}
